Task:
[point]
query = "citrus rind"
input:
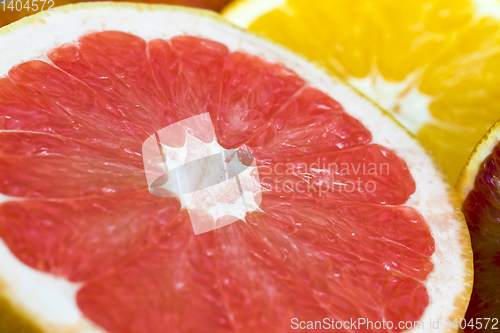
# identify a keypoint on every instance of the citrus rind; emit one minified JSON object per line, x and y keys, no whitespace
{"x":484,"y":148}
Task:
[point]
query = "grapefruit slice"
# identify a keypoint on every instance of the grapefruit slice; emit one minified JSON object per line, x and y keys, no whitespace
{"x":478,"y":188}
{"x":432,"y":64}
{"x":354,"y":219}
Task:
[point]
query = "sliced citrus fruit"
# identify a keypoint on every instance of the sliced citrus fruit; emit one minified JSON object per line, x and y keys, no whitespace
{"x":432,"y":64}
{"x":354,"y":219}
{"x":478,"y":188}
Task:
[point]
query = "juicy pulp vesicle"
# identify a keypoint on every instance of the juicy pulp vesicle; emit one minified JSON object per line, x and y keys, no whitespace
{"x":73,"y":131}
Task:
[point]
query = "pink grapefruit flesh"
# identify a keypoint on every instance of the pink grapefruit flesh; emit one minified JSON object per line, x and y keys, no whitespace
{"x":72,"y":136}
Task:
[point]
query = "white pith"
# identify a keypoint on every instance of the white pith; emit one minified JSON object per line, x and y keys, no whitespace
{"x":221,"y":208}
{"x":258,"y":8}
{"x":402,"y":99}
{"x":487,"y":8}
{"x":431,"y":199}
{"x":49,"y":299}
{"x":242,"y":13}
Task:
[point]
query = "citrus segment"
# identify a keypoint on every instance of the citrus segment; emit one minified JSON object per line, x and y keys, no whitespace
{"x":267,"y":91}
{"x":205,"y":71}
{"x":49,"y":236}
{"x":28,"y":161}
{"x":363,"y":174}
{"x":403,"y":257}
{"x":196,"y":68}
{"x":310,"y":123}
{"x":162,"y":287}
{"x":133,"y":260}
{"x":80,"y":113}
{"x":113,"y":64}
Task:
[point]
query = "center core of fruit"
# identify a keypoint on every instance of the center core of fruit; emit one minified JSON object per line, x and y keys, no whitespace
{"x":217,"y":186}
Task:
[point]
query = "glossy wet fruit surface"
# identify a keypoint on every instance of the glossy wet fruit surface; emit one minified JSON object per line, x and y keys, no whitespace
{"x":71,"y":141}
{"x":482,"y":212}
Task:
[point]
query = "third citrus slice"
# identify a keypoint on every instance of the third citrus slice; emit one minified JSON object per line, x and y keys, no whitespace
{"x":478,"y":187}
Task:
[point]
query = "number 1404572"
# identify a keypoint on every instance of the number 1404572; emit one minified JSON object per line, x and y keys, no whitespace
{"x":27,"y":5}
{"x":474,"y":323}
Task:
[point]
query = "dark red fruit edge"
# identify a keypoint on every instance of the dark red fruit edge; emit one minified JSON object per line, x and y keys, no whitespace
{"x":482,"y":212}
